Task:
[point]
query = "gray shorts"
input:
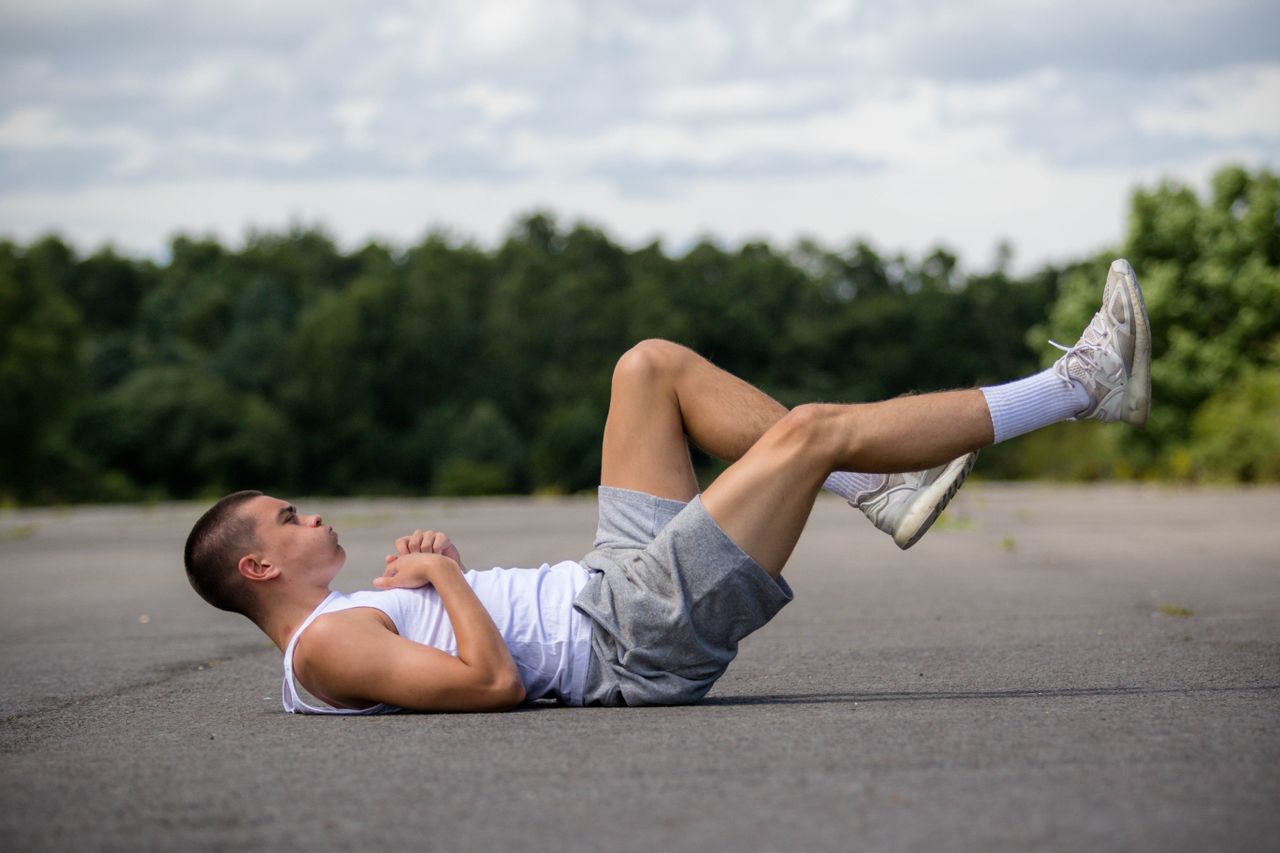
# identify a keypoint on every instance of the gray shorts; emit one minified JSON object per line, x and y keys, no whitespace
{"x":671,"y":596}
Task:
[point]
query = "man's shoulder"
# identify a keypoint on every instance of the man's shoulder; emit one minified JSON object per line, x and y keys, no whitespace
{"x":341,"y":623}
{"x":330,"y":632}
{"x":335,"y":649}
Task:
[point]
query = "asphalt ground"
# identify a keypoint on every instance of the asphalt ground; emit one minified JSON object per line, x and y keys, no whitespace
{"x":1057,"y":668}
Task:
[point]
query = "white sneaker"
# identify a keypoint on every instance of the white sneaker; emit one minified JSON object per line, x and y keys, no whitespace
{"x":1112,"y":359}
{"x":907,"y":504}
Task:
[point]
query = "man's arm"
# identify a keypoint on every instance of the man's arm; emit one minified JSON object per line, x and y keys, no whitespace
{"x":358,"y":660}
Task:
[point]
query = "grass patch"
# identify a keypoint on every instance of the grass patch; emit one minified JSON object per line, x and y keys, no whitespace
{"x":1175,"y":610}
{"x":18,"y":532}
{"x":952,"y":521}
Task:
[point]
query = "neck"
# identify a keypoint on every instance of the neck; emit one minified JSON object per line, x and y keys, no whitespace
{"x":281,"y":618}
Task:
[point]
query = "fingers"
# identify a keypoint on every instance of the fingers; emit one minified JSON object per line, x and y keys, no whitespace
{"x":405,"y":571}
{"x":411,"y":544}
{"x":423,"y":541}
{"x":387,"y":580}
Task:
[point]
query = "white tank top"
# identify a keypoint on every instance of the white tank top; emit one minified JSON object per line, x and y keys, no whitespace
{"x":533,"y":609}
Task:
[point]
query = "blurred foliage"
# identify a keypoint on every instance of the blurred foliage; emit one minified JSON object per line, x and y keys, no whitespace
{"x":41,"y":368}
{"x":449,"y":369}
{"x":1210,"y":275}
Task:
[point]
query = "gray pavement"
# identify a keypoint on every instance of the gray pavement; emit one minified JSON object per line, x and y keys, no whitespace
{"x":1050,"y":668}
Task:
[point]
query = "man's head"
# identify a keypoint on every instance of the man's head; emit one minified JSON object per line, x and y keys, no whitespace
{"x":247,"y":539}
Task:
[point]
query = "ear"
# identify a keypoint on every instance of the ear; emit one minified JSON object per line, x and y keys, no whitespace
{"x":252,"y":569}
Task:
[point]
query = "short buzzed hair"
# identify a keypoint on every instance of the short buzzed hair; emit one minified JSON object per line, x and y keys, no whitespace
{"x":217,"y":542}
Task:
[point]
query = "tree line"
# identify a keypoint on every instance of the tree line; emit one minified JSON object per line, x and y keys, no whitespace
{"x":451,"y":369}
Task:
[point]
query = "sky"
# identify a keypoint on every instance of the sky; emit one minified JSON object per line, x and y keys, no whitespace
{"x":908,"y":124}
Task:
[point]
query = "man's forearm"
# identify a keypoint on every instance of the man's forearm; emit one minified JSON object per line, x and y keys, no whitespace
{"x":480,"y":645}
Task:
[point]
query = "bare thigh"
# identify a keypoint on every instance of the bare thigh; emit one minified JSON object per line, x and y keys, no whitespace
{"x":645,"y":448}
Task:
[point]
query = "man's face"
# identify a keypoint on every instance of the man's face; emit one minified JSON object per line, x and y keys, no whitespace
{"x":296,"y":544}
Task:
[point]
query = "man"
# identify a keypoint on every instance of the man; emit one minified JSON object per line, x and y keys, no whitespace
{"x":655,"y":613}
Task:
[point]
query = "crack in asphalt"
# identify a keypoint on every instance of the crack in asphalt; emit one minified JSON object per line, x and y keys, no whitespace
{"x":165,"y":674}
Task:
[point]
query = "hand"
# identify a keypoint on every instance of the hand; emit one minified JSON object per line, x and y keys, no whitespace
{"x":428,"y":542}
{"x":413,"y":570}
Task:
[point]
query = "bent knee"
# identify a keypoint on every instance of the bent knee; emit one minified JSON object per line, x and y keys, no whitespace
{"x":801,"y":423}
{"x":650,"y":360}
{"x":808,"y":427}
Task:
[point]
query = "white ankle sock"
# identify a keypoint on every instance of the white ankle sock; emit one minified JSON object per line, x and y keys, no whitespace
{"x":851,"y":485}
{"x":1027,"y":404}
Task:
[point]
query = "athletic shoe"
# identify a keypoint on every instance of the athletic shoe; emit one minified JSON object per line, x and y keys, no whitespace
{"x":907,"y":505}
{"x":1112,"y":359}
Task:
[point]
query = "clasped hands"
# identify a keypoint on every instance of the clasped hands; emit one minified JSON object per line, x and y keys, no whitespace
{"x":419,"y":556}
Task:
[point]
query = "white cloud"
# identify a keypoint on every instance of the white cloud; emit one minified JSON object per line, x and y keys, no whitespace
{"x":42,"y":128}
{"x":828,"y":12}
{"x":899,"y":128}
{"x":736,"y":98}
{"x":281,"y":150}
{"x":199,"y":80}
{"x":747,"y":116}
{"x":910,"y":210}
{"x":393,"y":25}
{"x":1223,"y":105}
{"x":996,"y":98}
{"x":503,"y":30}
{"x":494,"y":104}
{"x":355,"y":115}
{"x":672,"y":48}
{"x":32,"y":127}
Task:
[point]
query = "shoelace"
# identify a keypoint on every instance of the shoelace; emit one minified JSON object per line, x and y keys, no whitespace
{"x":1093,"y":340}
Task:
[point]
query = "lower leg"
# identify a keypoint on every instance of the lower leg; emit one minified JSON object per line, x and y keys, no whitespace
{"x":909,"y":433}
{"x":763,"y":501}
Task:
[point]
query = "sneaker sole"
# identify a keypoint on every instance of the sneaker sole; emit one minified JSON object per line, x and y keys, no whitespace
{"x":1137,"y":391}
{"x":931,"y":501}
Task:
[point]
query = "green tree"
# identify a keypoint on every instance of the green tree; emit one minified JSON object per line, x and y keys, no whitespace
{"x":484,"y":456}
{"x":1210,"y":272}
{"x":41,"y":375}
{"x":344,"y":401}
{"x":565,"y":456}
{"x":186,"y":432}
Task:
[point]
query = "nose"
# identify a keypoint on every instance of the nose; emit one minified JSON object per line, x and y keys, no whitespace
{"x":315,"y":521}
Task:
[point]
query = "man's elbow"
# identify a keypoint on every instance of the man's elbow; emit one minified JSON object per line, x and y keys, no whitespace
{"x":497,"y":692}
{"x":509,"y":692}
